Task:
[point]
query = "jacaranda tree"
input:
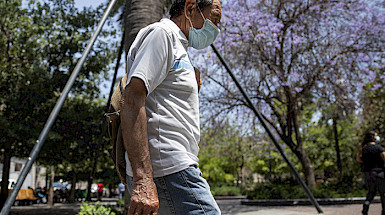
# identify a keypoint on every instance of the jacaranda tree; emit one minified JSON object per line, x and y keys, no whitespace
{"x":289,"y":54}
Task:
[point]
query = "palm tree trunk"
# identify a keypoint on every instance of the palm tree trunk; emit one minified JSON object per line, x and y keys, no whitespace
{"x":137,"y":15}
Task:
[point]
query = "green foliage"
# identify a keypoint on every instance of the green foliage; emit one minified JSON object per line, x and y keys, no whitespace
{"x":120,"y":203}
{"x":226,"y":191}
{"x":341,"y":189}
{"x":271,"y":191}
{"x":40,"y":44}
{"x":94,"y":209}
{"x":268,"y":163}
{"x":225,"y":150}
{"x":320,"y":144}
{"x":373,"y":105}
{"x":224,"y":154}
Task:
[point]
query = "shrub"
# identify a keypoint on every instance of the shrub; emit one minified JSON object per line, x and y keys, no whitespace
{"x":226,"y":191}
{"x":120,"y":203}
{"x":288,"y":191}
{"x":96,"y":209}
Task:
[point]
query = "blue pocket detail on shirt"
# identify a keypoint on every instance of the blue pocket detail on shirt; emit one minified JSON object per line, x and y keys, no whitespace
{"x":181,"y":63}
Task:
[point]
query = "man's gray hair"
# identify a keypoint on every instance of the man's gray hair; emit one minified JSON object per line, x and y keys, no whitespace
{"x":177,"y":6}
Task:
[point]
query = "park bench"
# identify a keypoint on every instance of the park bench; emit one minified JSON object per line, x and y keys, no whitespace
{"x":25,"y":197}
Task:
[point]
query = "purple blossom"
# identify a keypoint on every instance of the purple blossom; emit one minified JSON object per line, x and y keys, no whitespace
{"x":376,"y":87}
{"x":298,"y":89}
{"x":345,"y":40}
{"x":359,"y":85}
{"x":316,"y":8}
{"x":371,"y":76}
{"x":277,"y":44}
{"x":294,"y":77}
{"x":297,"y":40}
{"x":365,"y":59}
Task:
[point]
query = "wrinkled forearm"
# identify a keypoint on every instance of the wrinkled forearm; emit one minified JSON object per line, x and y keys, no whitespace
{"x":359,"y":155}
{"x":383,"y":156}
{"x":134,"y":130}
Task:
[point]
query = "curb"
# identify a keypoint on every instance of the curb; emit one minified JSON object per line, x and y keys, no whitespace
{"x":230,"y":197}
{"x":295,"y":202}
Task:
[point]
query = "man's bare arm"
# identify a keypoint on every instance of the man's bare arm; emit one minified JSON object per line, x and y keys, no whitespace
{"x":383,"y":156}
{"x":198,"y":78}
{"x":144,"y":199}
{"x":359,"y":155}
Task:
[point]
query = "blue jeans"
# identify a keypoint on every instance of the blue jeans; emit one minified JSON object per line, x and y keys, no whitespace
{"x":183,"y":193}
{"x":374,"y":183}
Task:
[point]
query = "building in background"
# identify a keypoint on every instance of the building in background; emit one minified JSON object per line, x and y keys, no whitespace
{"x":35,"y":178}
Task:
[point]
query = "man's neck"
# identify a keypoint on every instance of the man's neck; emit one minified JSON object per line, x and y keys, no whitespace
{"x":181,"y":22}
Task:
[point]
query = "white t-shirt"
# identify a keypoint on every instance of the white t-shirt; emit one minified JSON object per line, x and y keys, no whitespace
{"x":158,"y":57}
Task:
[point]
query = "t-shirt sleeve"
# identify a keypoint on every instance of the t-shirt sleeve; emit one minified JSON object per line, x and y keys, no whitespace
{"x":380,"y":149}
{"x":152,"y":59}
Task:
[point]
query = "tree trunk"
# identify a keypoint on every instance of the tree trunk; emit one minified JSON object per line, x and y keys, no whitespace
{"x":89,"y":184}
{"x":339,"y":165}
{"x":73,"y":187}
{"x":139,"y":14}
{"x":308,"y":169}
{"x":243,"y":178}
{"x":5,"y":176}
{"x":50,"y":189}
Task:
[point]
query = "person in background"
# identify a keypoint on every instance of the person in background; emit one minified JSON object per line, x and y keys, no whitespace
{"x":100,"y":191}
{"x":372,"y":157}
{"x":33,"y":191}
{"x":121,"y":188}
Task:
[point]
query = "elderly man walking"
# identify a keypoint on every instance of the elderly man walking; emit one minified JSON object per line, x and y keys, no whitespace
{"x":160,"y":112}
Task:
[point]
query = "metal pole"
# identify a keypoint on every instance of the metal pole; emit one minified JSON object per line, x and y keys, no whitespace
{"x":259,"y":116}
{"x":47,"y":127}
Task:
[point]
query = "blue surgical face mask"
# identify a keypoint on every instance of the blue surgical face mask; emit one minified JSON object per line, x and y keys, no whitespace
{"x":378,"y":139}
{"x":202,"y":38}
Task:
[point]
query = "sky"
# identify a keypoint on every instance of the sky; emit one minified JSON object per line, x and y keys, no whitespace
{"x":87,"y":3}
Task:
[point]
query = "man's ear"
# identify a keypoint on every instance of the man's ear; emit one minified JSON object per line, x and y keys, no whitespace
{"x":188,"y":8}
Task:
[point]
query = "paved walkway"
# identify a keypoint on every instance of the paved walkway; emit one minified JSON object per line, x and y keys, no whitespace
{"x":228,"y":207}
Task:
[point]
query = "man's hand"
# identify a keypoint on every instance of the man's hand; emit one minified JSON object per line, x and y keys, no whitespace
{"x":144,"y":199}
{"x":198,"y":78}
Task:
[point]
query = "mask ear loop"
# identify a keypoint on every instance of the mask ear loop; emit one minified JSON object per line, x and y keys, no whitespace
{"x":204,"y":19}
